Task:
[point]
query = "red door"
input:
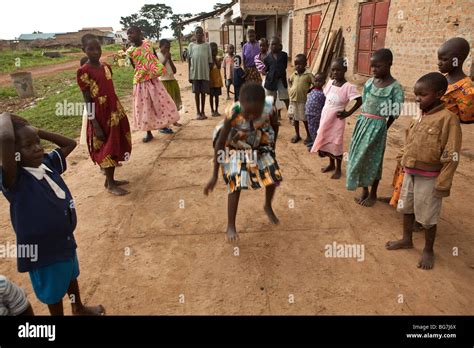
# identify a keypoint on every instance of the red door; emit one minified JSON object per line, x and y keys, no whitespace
{"x":313,"y":20}
{"x":373,"y":18}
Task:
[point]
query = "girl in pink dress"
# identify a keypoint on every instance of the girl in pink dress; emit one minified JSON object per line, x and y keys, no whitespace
{"x":330,"y":139}
{"x":153,"y":107}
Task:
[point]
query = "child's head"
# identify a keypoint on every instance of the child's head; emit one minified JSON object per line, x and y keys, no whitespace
{"x":300,"y":63}
{"x":230,"y":49}
{"x":338,"y":69}
{"x":83,"y":60}
{"x":263,"y":45}
{"x":237,"y":61}
{"x":275,"y":44}
{"x":381,"y":63}
{"x":134,"y":35}
{"x":213,"y":49}
{"x":165,"y":46}
{"x":252,"y":100}
{"x":27,"y":143}
{"x":91,"y":47}
{"x":319,"y":80}
{"x":252,"y":35}
{"x":199,"y":34}
{"x":452,"y":54}
{"x":429,"y":89}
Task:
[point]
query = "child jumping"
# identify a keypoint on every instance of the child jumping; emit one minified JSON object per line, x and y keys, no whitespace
{"x":108,"y":132}
{"x":314,"y":107}
{"x":200,"y":63}
{"x":228,"y":66}
{"x":383,"y":99}
{"x":153,"y":107}
{"x":430,"y":158}
{"x":300,"y":84}
{"x":168,"y":79}
{"x":42,"y":211}
{"x":247,"y":136}
{"x":330,"y":139}
{"x":215,"y":81}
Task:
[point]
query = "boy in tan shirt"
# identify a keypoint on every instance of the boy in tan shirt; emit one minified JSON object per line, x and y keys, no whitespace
{"x":430,"y":158}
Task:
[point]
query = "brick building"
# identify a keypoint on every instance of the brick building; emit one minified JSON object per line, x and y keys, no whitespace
{"x":413,"y":30}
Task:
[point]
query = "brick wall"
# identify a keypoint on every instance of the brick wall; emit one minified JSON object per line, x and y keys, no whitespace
{"x":265,"y":5}
{"x":416,"y":29}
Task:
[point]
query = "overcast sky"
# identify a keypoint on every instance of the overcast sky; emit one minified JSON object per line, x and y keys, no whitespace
{"x":56,"y":16}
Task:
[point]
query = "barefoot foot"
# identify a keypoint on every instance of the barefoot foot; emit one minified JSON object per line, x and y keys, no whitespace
{"x":328,"y":169}
{"x":271,"y":215}
{"x":427,"y":260}
{"x":232,"y":235}
{"x":89,"y":311}
{"x":399,"y":244}
{"x":369,"y":201}
{"x":336,"y":175}
{"x":117,"y":190}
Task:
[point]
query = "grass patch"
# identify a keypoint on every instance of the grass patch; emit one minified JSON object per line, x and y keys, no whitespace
{"x":63,"y":88}
{"x":6,"y":92}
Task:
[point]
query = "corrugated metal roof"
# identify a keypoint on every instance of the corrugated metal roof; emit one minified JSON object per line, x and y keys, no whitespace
{"x":43,"y":36}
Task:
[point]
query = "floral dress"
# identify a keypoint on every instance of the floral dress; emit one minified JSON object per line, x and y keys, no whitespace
{"x":249,"y":161}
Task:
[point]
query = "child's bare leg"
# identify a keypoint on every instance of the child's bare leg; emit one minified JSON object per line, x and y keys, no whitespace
{"x":148,"y":137}
{"x":297,"y":137}
{"x":76,"y":304}
{"x":363,"y":196}
{"x":56,"y":309}
{"x":217,"y":106}
{"x":269,"y":193}
{"x":112,"y":185}
{"x":308,"y":135}
{"x":338,"y":173}
{"x":372,"y":198}
{"x":211,"y":102}
{"x":406,"y":241}
{"x":232,"y":205}
{"x":330,"y":167}
{"x":197,"y":101}
{"x":427,"y":258}
{"x":203,"y":104}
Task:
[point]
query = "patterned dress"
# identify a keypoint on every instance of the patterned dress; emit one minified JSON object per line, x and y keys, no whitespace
{"x":110,"y":115}
{"x":249,"y":161}
{"x":314,"y":107}
{"x":370,"y":133}
{"x":153,"y":107}
{"x":459,"y":99}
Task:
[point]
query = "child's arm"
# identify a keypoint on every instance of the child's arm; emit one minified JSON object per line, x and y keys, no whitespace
{"x":169,"y":59}
{"x":344,"y":114}
{"x":99,"y":133}
{"x":450,"y":157}
{"x":219,"y":63}
{"x":275,"y":124}
{"x":7,"y":148}
{"x":67,"y":145}
{"x":219,"y":148}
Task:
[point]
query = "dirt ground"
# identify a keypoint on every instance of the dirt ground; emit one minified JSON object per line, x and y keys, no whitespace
{"x":162,"y":249}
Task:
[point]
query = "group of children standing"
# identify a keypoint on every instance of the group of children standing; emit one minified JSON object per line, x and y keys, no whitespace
{"x":41,"y":205}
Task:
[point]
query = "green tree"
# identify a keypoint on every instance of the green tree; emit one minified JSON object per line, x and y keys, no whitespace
{"x":156,"y":14}
{"x":175,"y":20}
{"x":136,"y":20}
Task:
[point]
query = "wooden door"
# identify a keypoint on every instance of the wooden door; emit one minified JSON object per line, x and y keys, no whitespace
{"x":313,"y":20}
{"x":373,"y":18}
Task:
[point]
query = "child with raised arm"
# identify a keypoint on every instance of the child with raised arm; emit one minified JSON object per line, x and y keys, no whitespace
{"x":42,"y":211}
{"x":429,"y":158}
{"x":200,"y":63}
{"x":330,"y":140}
{"x":300,"y":84}
{"x":215,"y":81}
{"x":245,"y":152}
{"x":153,"y":107}
{"x":383,"y":99}
{"x":108,"y":132}
{"x":228,"y":66}
{"x":168,"y":79}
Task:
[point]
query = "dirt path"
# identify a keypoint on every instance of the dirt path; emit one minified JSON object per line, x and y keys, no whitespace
{"x":45,"y":70}
{"x":161,"y":250}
